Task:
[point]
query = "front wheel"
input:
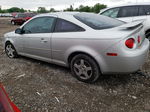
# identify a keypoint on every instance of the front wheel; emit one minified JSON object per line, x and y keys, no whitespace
{"x":84,"y":68}
{"x":10,"y":51}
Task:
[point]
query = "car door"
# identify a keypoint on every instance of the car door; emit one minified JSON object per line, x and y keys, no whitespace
{"x":37,"y":37}
{"x":61,"y":39}
{"x":127,"y":13}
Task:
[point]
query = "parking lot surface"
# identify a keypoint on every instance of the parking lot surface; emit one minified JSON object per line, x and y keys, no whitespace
{"x":36,"y":86}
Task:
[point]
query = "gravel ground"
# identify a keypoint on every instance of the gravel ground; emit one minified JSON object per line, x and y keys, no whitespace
{"x":36,"y":86}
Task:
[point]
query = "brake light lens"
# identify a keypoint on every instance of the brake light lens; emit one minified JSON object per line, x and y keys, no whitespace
{"x":139,"y":39}
{"x":130,"y":43}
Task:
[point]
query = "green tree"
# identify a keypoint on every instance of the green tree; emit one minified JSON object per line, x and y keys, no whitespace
{"x":69,"y":9}
{"x":15,"y":9}
{"x":22,"y":10}
{"x":98,"y":7}
{"x":42,"y":10}
{"x":52,"y":10}
{"x":84,"y":8}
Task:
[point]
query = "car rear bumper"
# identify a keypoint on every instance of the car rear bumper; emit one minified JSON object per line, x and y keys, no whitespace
{"x":125,"y":63}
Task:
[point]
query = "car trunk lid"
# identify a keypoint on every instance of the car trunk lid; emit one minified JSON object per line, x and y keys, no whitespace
{"x":136,"y":31}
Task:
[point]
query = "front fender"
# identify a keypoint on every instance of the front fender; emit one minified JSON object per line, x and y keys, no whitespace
{"x":7,"y":40}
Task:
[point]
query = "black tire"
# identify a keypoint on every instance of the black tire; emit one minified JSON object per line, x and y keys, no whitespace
{"x":13,"y":23}
{"x":148,"y":35}
{"x":10,"y":51}
{"x":88,"y":72}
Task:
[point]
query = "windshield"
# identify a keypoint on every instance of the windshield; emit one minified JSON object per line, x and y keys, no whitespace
{"x":98,"y":22}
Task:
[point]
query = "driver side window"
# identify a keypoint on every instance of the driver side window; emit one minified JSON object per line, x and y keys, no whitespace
{"x":39,"y":25}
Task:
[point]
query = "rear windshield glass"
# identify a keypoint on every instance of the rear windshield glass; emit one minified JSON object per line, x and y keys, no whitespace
{"x":31,"y":15}
{"x":21,"y":15}
{"x":98,"y":22}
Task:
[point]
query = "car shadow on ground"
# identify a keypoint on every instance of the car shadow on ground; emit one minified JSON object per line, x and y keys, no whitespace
{"x":105,"y":81}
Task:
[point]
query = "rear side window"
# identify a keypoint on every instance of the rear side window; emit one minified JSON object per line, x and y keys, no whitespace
{"x":128,"y":11}
{"x":66,"y":26}
{"x":111,"y":13}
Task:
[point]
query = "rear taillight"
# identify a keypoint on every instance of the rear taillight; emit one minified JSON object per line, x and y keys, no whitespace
{"x":130,"y":43}
{"x":139,"y":39}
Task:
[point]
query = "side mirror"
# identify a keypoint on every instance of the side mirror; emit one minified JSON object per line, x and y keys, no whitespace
{"x":19,"y":31}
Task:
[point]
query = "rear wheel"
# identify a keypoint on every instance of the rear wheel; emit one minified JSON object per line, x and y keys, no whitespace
{"x":10,"y":51}
{"x":84,"y":68}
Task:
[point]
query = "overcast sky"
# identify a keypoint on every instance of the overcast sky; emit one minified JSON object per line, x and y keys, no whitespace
{"x":59,"y":4}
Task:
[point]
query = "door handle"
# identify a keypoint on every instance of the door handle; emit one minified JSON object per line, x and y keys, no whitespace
{"x":43,"y":40}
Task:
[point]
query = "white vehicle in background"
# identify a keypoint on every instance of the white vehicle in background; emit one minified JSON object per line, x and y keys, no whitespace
{"x":6,"y":15}
{"x":130,"y":13}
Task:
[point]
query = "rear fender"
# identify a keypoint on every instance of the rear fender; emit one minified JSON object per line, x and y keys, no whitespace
{"x":84,"y":49}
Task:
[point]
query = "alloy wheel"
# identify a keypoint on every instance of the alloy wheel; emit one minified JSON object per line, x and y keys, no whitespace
{"x":10,"y":51}
{"x":83,"y":69}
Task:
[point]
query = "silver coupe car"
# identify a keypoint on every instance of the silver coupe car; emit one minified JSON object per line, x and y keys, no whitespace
{"x":89,"y":44}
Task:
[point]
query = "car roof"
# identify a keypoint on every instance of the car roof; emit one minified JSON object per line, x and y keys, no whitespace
{"x":128,"y":4}
{"x":140,"y":3}
{"x":58,"y":14}
{"x":69,"y":16}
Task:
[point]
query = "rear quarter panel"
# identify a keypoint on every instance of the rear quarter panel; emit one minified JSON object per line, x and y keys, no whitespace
{"x":64,"y":44}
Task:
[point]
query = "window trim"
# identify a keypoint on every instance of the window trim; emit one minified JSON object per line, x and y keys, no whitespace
{"x":53,"y":26}
{"x":111,"y":9}
{"x":138,"y":6}
{"x":128,"y":6}
{"x":54,"y":31}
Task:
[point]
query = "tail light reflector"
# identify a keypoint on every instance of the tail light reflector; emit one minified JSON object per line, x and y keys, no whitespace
{"x":130,"y":43}
{"x":139,"y":39}
{"x":112,"y":54}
